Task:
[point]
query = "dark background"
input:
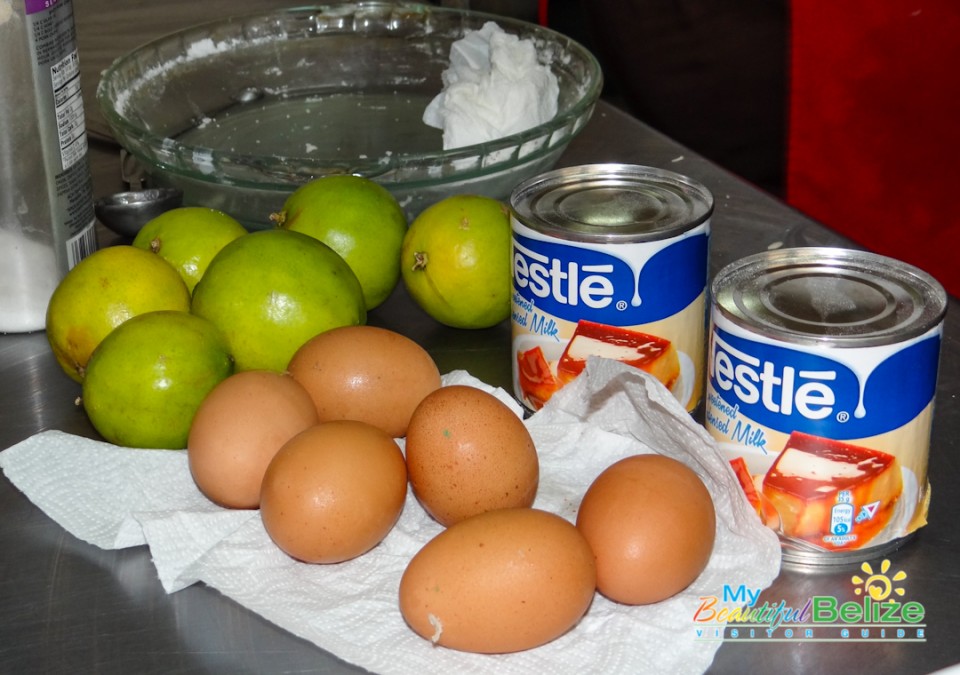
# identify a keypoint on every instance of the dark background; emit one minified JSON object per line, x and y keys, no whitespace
{"x":710,"y":74}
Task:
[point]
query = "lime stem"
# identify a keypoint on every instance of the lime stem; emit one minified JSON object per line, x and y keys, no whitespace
{"x":420,"y":261}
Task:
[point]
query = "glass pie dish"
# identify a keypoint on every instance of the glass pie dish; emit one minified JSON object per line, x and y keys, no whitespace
{"x":238,"y":113}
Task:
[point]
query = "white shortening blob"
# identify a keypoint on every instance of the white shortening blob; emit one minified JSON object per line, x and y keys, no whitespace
{"x":494,"y":87}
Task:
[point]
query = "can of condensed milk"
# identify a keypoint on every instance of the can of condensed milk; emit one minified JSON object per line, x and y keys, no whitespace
{"x":822,"y":370}
{"x":609,"y":260}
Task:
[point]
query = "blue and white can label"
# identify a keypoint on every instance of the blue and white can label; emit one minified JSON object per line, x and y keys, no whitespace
{"x":821,"y":380}
{"x":609,"y":261}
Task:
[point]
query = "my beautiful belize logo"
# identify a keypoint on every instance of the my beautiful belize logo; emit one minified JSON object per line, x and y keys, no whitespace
{"x":878,"y":614}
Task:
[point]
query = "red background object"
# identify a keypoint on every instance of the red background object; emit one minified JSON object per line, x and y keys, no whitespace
{"x":874,"y":126}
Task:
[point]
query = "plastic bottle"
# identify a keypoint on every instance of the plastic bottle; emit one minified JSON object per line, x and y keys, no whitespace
{"x":46,"y":191}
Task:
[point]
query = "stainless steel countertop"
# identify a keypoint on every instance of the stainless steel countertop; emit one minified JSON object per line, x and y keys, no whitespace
{"x":66,"y":606}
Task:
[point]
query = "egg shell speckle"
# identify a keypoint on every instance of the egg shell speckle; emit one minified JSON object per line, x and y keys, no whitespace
{"x":467,"y":453}
{"x":365,"y":373}
{"x":333,"y":491}
{"x":239,"y":427}
{"x":651,"y":523}
{"x":502,"y":581}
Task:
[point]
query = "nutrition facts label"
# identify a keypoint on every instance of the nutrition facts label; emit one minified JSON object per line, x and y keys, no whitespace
{"x":68,"y":102}
{"x":56,"y":63}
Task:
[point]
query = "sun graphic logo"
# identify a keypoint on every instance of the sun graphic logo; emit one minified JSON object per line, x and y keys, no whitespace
{"x":878,"y":585}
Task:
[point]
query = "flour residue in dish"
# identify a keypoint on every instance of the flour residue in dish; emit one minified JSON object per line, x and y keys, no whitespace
{"x":200,"y":49}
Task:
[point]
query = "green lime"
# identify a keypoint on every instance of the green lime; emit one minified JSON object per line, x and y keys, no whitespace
{"x":146,"y":380}
{"x":357,"y":218}
{"x":101,"y":292}
{"x":188,"y":238}
{"x":455,"y":261}
{"x":271,"y":291}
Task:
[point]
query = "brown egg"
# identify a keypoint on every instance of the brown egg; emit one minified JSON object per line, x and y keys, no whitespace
{"x":467,"y":453}
{"x":365,"y":373}
{"x":651,"y":524}
{"x":334,"y":491}
{"x":237,"y":430}
{"x":502,"y":581}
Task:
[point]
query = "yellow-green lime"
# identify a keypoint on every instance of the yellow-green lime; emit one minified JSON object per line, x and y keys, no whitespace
{"x":359,"y":219}
{"x":455,"y":261}
{"x":188,"y":237}
{"x":271,"y":291}
{"x":102,"y":291}
{"x":146,"y":380}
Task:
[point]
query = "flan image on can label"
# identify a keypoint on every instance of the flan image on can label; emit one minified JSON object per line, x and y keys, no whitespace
{"x":609,"y":261}
{"x":642,"y":304}
{"x":825,"y":410}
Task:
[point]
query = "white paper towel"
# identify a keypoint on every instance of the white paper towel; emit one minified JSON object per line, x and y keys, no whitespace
{"x":117,"y":497}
